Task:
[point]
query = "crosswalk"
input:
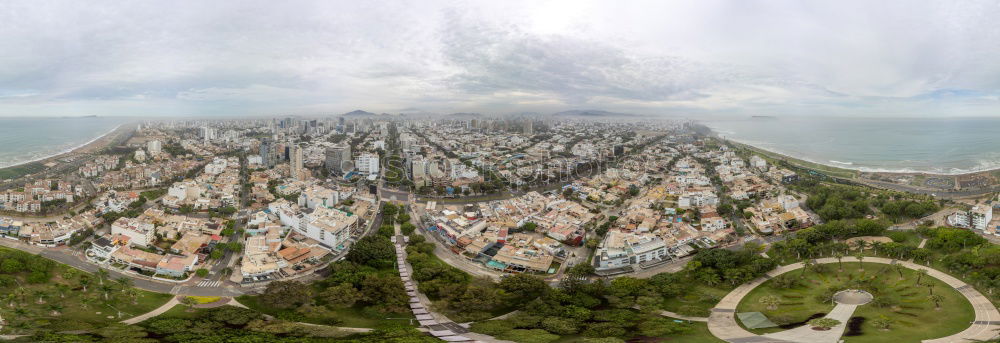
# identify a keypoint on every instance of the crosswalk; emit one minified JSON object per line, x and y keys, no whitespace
{"x":209,"y":283}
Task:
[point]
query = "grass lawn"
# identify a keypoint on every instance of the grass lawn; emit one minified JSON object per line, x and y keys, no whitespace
{"x":913,"y":315}
{"x":703,"y":298}
{"x":180,"y":312}
{"x":66,"y":306}
{"x":354,"y":317}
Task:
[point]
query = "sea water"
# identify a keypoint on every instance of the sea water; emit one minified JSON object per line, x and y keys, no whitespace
{"x":24,"y":140}
{"x":934,"y":145}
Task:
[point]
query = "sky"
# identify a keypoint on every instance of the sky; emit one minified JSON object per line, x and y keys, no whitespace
{"x":669,"y":58}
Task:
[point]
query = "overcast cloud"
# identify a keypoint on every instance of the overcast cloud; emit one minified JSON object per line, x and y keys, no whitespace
{"x":691,"y":58}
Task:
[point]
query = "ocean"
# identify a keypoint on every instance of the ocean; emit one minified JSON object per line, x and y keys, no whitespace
{"x":940,"y":145}
{"x":23,"y":140}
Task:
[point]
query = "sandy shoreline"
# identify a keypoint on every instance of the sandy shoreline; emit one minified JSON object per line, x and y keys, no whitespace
{"x":94,"y":145}
{"x":846,"y":167}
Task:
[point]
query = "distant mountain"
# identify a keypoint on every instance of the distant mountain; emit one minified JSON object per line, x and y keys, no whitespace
{"x":590,"y":113}
{"x":357,"y":113}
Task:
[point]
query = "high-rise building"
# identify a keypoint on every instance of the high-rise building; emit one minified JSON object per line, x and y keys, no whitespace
{"x":267,"y":155}
{"x":367,"y":163}
{"x":528,"y":129}
{"x":295,"y":164}
{"x":154,"y":147}
{"x":338,"y":159}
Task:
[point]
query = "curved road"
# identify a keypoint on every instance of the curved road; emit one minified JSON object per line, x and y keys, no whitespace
{"x":72,"y":258}
{"x":722,"y":321}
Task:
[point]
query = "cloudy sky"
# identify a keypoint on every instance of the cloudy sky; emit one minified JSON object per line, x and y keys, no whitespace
{"x":688,"y":58}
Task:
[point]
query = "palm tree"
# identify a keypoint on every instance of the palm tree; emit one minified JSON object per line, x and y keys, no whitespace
{"x":930,"y":288}
{"x":84,"y":281}
{"x":62,"y":289}
{"x":41,"y":295}
{"x":102,"y":274}
{"x":106,"y":289}
{"x":937,"y":299}
{"x":55,"y":309}
{"x":882,"y":322}
{"x":899,"y":269}
{"x":824,"y":323}
{"x":770,"y":301}
{"x":133,"y":294}
{"x":190,"y":302}
{"x":920,"y":272}
{"x":840,"y":257}
{"x":10,"y":298}
{"x":124,"y":283}
{"x":86,"y":301}
{"x":806,"y":264}
{"x":860,"y":245}
{"x":21,"y":293}
{"x":861,"y":259}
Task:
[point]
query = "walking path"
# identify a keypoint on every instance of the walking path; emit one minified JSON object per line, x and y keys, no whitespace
{"x":437,"y":324}
{"x":678,"y":316}
{"x":722,"y":322}
{"x":158,"y":311}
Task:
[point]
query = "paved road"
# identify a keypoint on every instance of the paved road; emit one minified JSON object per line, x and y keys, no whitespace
{"x":722,"y":321}
{"x":72,"y":258}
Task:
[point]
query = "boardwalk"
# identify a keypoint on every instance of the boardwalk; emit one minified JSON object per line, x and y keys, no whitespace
{"x":722,"y":321}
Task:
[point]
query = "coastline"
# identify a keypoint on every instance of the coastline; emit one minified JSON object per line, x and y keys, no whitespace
{"x":844,"y":166}
{"x":977,"y":166}
{"x":98,"y":143}
{"x":969,"y":184}
{"x":66,"y":151}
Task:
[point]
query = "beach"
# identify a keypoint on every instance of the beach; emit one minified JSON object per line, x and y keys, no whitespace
{"x":70,"y":156}
{"x":964,"y":185}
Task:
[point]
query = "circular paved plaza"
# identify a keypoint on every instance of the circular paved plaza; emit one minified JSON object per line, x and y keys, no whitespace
{"x":722,"y":321}
{"x":852,"y":297}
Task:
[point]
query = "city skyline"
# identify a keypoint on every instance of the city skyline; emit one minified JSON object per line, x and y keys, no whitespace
{"x":716,"y":58}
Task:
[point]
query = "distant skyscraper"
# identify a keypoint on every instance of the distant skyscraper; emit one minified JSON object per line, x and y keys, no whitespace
{"x":528,"y":129}
{"x":267,"y":153}
{"x":295,"y":164}
{"x":154,"y":147}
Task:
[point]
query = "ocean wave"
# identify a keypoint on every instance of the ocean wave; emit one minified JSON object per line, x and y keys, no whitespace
{"x":66,"y":148}
{"x":844,"y":163}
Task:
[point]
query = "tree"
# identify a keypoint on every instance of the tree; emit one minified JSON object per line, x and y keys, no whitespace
{"x":124,"y":283}
{"x":286,"y":294}
{"x":806,"y":264}
{"x":376,"y":251}
{"x":83,"y":281}
{"x":189,"y":302}
{"x":528,"y":336}
{"x":106,"y":290}
{"x":823,"y":323}
{"x":936,"y":299}
{"x":102,"y":274}
{"x":560,"y":326}
{"x":861,"y":259}
{"x":524,"y":286}
{"x":662,"y":327}
{"x":201,"y":272}
{"x":342,"y":295}
{"x":920,"y":273}
{"x":581,"y":270}
{"x":882,"y":322}
{"x":770,"y":301}
{"x":840,"y":257}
